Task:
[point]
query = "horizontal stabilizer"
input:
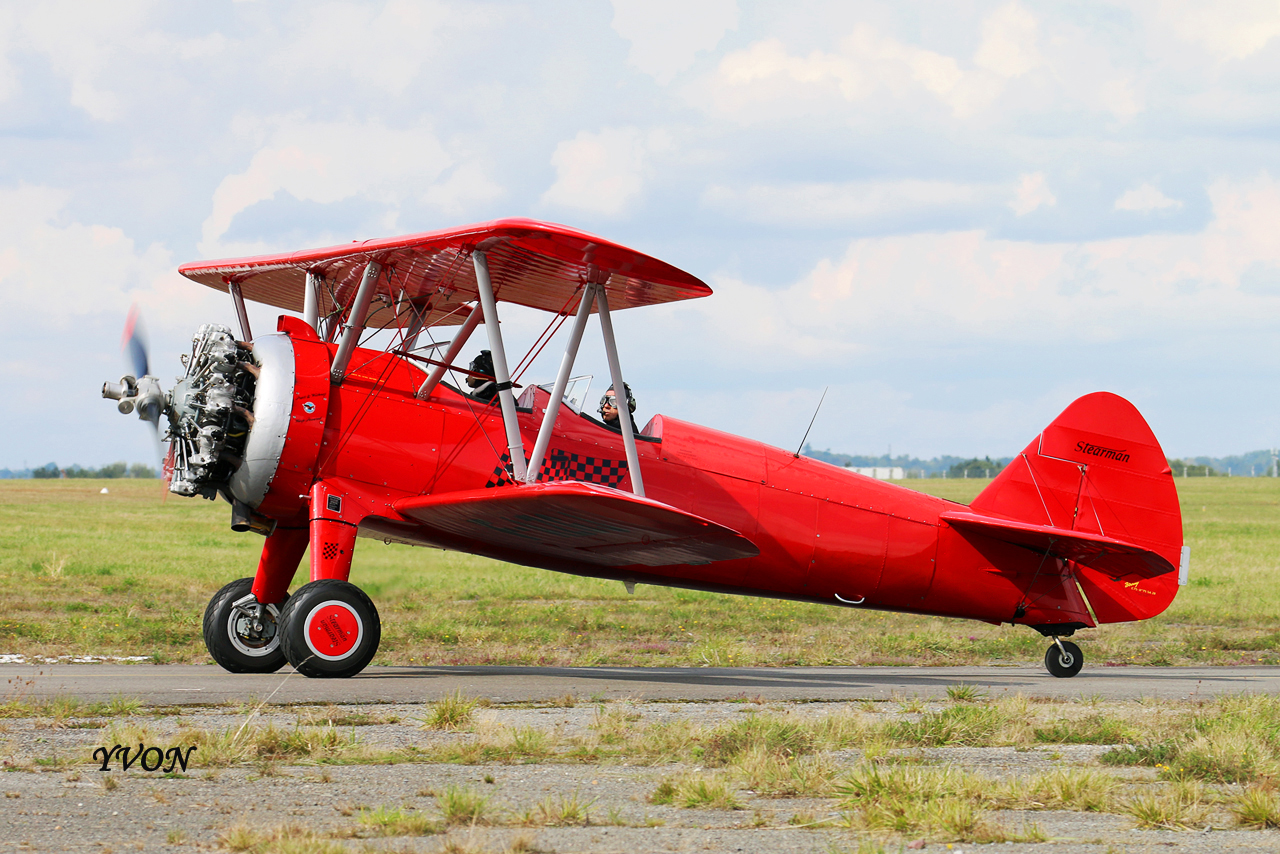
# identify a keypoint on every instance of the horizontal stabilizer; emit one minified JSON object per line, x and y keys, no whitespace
{"x":574,"y":522}
{"x":1107,"y":555}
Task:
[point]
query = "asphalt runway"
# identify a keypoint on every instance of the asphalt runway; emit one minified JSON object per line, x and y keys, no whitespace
{"x":180,"y":684}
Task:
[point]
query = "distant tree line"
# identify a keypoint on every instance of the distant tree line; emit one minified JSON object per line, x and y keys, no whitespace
{"x":114,"y":470}
{"x":1185,"y":468}
{"x":944,"y":466}
{"x":985,"y":467}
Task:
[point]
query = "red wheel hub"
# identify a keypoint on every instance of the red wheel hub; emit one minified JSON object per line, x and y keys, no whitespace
{"x":333,"y":630}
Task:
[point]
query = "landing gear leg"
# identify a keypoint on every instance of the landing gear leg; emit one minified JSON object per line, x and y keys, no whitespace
{"x":330,"y":628}
{"x":1064,"y":659}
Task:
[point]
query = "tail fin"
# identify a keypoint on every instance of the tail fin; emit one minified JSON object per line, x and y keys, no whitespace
{"x":1097,"y":489}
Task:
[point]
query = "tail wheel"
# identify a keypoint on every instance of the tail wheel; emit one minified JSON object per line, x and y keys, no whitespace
{"x":241,"y":633}
{"x":1064,"y":659}
{"x":331,"y":629}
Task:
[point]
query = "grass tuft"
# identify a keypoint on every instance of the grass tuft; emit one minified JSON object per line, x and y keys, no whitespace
{"x":964,"y":725}
{"x":283,"y":839}
{"x":965,"y":693}
{"x":777,"y":776}
{"x":463,"y":805}
{"x":697,"y":791}
{"x":1176,"y":807}
{"x":398,"y":821}
{"x":451,"y":713}
{"x":261,"y":746}
{"x":1091,"y":729}
{"x":1082,"y":789}
{"x":559,"y":811}
{"x":941,"y":802}
{"x":1257,"y":807}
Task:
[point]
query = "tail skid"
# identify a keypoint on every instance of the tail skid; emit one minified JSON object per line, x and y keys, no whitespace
{"x":1093,"y":489}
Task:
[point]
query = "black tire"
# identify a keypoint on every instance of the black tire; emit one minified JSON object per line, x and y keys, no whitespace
{"x":1064,"y":666}
{"x":230,"y":635}
{"x":331,"y":629}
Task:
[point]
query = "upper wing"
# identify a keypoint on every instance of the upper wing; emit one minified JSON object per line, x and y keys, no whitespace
{"x":531,"y":263}
{"x":573,"y":523}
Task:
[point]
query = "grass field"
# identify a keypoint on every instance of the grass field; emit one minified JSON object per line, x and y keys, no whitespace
{"x":126,"y":573}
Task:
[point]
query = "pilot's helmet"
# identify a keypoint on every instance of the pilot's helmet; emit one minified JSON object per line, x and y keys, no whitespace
{"x":610,"y":398}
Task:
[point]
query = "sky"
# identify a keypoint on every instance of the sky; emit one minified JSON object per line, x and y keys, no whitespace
{"x":958,"y":217}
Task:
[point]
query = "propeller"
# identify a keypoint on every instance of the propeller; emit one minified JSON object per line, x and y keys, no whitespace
{"x":146,"y":394}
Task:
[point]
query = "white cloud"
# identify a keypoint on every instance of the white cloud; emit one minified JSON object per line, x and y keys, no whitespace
{"x":383,"y":46}
{"x":465,"y":184}
{"x":667,"y":35}
{"x":327,"y":162}
{"x":1009,"y":42}
{"x":967,"y":287}
{"x":1229,"y":29}
{"x":835,"y":204}
{"x":55,"y":272}
{"x":599,"y":172}
{"x":1120,"y":97}
{"x":8,"y":77}
{"x":1032,"y":193}
{"x":83,"y":42}
{"x":866,"y":62}
{"x":1145,"y":199}
{"x":767,"y":60}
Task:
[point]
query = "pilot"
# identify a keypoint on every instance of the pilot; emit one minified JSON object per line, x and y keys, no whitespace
{"x":484,"y":389}
{"x":609,"y":409}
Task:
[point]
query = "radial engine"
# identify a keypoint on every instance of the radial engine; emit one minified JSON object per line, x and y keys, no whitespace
{"x":210,"y":410}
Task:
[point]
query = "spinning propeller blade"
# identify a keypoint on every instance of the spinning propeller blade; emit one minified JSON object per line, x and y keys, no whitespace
{"x":166,"y":472}
{"x":134,"y":343}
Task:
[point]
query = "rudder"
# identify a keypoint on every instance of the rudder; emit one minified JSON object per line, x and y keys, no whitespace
{"x":1098,"y":469}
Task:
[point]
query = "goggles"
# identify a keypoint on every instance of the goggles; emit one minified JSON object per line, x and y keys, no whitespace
{"x":612,"y":400}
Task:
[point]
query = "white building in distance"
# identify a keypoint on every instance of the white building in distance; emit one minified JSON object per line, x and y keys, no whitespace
{"x":881,"y":472}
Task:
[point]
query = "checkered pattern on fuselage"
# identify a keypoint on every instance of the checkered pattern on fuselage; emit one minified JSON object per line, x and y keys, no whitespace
{"x":560,"y":466}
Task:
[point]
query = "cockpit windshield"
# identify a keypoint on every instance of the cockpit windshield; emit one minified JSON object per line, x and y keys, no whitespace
{"x":575,"y":392}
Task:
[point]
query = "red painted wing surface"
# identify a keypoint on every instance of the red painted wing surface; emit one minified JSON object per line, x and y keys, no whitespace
{"x":575,"y":523}
{"x":532,"y":263}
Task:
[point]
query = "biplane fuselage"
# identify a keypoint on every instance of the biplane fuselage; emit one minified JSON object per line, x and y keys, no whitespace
{"x":824,"y":534}
{"x":317,"y":441}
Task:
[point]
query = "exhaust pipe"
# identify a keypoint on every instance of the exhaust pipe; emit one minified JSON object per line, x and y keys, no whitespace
{"x":243,"y":519}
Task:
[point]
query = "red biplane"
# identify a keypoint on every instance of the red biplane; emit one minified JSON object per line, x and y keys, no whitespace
{"x":315,"y":441}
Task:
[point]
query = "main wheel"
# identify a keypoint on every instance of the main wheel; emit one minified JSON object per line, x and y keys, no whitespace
{"x":331,"y":629}
{"x":241,"y":633}
{"x":1066,"y":662}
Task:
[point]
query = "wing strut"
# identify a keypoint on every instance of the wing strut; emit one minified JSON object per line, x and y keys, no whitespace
{"x":237,"y":298}
{"x":459,"y":341}
{"x":515,"y":445}
{"x":355,"y":322}
{"x":562,"y":380}
{"x":619,"y":390}
{"x":311,"y":301}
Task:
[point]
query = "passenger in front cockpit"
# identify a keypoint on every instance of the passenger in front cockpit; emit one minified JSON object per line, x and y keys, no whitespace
{"x":609,"y":409}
